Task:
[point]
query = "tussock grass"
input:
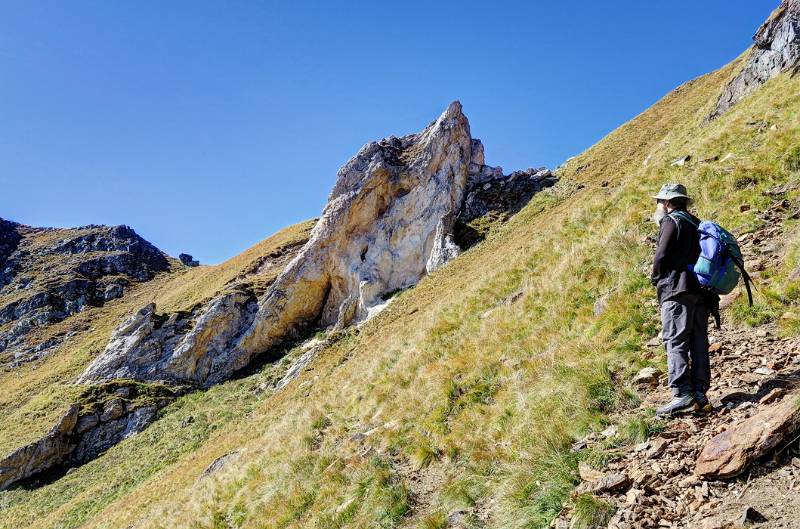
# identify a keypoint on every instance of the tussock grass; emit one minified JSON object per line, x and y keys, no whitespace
{"x":591,"y":512}
{"x":473,"y":387}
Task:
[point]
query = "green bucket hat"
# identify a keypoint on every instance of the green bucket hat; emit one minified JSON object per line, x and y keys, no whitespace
{"x":670,"y":191}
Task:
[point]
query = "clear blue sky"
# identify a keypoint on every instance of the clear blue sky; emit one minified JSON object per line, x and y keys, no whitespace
{"x":209,"y":125}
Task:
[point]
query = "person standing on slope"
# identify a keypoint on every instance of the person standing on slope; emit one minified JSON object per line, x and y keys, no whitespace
{"x":685,"y":306}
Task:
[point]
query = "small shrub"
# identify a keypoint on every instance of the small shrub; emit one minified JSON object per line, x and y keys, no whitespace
{"x":424,"y":456}
{"x":463,"y":493}
{"x":598,"y":458}
{"x":542,"y":490}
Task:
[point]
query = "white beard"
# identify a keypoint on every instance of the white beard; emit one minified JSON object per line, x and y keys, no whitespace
{"x":659,"y":214}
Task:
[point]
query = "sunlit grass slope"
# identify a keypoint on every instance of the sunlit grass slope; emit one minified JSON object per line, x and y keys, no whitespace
{"x":476,"y":382}
{"x":33,"y":395}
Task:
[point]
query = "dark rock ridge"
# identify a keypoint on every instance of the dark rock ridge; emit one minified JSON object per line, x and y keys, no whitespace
{"x":106,"y":415}
{"x":776,"y":50}
{"x":503,"y":194}
{"x":48,"y":274}
{"x":389,"y":221}
{"x":9,"y":239}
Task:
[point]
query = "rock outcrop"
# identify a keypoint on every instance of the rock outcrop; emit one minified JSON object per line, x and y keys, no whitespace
{"x":389,"y":221}
{"x":48,"y":274}
{"x":776,"y":50}
{"x":42,"y":454}
{"x":729,"y":453}
{"x":392,"y":209}
{"x":106,"y":415}
{"x":9,"y":240}
{"x":188,"y":260}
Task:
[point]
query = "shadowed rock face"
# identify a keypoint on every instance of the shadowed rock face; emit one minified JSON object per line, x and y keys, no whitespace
{"x":9,"y":239}
{"x":776,"y":50}
{"x":388,"y":222}
{"x":107,"y":415}
{"x":48,"y":451}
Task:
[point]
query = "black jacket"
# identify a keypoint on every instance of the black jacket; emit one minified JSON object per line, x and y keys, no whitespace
{"x":678,"y":247}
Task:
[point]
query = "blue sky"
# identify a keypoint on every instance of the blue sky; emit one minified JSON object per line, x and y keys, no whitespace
{"x":209,"y":125}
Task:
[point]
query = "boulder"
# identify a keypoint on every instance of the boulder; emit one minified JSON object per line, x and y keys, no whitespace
{"x":776,"y":50}
{"x":220,"y":462}
{"x":608,"y":482}
{"x":680,"y":162}
{"x":647,"y":376}
{"x":188,"y":260}
{"x":729,"y":453}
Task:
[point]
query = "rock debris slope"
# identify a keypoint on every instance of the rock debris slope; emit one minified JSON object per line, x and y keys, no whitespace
{"x":389,"y":221}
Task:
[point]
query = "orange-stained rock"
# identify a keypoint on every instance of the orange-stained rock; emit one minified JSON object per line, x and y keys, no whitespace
{"x":729,"y":453}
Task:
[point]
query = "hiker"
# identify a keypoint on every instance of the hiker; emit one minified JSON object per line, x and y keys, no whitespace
{"x":685,"y":306}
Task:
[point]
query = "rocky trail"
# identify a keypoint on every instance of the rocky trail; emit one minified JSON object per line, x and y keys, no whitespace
{"x":675,"y":478}
{"x":654,"y":484}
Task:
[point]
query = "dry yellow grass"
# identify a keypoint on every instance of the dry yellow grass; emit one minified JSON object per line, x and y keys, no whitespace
{"x":458,"y":374}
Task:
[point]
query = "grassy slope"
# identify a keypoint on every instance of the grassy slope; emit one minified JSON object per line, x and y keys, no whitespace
{"x":35,"y":394}
{"x":459,"y":382}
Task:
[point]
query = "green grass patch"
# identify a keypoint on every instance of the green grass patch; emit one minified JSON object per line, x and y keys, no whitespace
{"x":591,"y":512}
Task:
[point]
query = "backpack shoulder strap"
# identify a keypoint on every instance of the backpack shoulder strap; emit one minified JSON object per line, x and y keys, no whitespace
{"x":747,"y":279}
{"x":685,"y":216}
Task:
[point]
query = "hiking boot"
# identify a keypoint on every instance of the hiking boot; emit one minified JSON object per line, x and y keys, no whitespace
{"x":678,"y":404}
{"x":701,"y":403}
